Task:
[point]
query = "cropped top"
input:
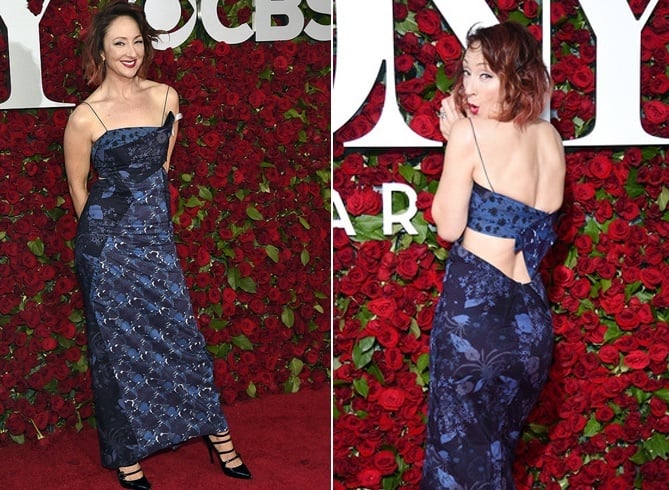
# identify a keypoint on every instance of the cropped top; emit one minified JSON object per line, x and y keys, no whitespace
{"x":498,"y":215}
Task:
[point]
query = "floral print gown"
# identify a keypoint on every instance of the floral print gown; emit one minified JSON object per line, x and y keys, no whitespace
{"x":152,"y":377}
{"x":490,"y":351}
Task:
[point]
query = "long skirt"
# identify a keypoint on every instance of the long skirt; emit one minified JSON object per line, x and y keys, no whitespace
{"x":490,"y":352}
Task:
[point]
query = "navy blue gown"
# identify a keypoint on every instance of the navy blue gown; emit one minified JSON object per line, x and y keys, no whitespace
{"x":152,"y":377}
{"x":490,"y":351}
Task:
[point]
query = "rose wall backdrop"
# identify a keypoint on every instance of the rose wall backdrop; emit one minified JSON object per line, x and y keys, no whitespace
{"x":250,"y":190}
{"x":602,"y":420}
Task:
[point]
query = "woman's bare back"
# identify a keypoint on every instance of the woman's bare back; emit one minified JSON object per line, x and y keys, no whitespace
{"x":526,"y":165}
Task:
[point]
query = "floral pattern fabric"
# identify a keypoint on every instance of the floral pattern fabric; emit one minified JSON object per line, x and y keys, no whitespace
{"x":490,"y":353}
{"x":152,"y":377}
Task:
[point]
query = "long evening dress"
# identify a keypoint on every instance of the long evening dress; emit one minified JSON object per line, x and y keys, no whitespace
{"x":490,"y":351}
{"x":152,"y":377}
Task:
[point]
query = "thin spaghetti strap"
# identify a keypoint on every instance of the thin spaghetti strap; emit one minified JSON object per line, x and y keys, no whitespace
{"x":96,"y":115}
{"x":165,"y":103}
{"x":480,"y":157}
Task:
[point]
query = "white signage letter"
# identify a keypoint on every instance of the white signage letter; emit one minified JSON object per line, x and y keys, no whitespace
{"x":313,"y":29}
{"x":343,"y":221}
{"x":358,"y":63}
{"x":618,"y":81}
{"x":219,"y":32}
{"x":404,"y":218}
{"x":165,"y":15}
{"x":290,"y":9}
{"x":25,"y":60}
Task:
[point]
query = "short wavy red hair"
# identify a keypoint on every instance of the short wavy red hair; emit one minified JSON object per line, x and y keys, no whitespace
{"x":94,"y":67}
{"x":514,"y":55}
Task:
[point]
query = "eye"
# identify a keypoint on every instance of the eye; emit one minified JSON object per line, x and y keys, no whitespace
{"x":119,"y":43}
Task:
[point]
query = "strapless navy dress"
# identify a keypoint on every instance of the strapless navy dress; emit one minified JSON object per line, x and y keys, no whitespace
{"x":152,"y":377}
{"x":490,"y":351}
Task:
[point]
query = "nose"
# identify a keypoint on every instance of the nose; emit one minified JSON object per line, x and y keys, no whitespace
{"x":469,"y":86}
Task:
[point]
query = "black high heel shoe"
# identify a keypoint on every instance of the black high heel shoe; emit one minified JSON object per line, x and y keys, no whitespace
{"x":240,"y":471}
{"x":139,"y":484}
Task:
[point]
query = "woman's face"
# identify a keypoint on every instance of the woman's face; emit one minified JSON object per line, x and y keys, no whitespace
{"x":123,"y":47}
{"x":482,"y":86}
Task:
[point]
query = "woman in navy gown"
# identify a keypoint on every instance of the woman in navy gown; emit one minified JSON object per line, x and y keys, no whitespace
{"x":152,"y":378}
{"x":497,"y":200}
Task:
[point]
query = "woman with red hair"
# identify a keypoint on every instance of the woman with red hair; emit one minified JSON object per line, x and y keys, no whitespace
{"x":501,"y":187}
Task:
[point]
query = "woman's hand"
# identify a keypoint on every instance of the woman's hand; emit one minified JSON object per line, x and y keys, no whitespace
{"x":448,"y":114}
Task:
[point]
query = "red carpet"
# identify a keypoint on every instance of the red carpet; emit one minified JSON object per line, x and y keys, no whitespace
{"x":284,"y":439}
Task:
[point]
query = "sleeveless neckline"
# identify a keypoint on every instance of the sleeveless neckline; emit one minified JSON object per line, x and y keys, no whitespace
{"x":132,"y":127}
{"x":511,"y":199}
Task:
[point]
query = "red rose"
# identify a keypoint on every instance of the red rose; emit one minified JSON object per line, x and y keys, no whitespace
{"x":387,"y":336}
{"x":432,"y":164}
{"x":600,"y":166}
{"x":609,"y":354}
{"x":392,"y":399}
{"x":449,"y":48}
{"x":383,"y":307}
{"x":637,"y":359}
{"x":428,"y":21}
{"x":366,"y":201}
{"x":658,"y":352}
{"x":424,"y":125}
{"x":583,"y":78}
{"x":15,"y":424}
{"x":530,"y":9}
{"x":656,"y":111}
{"x":369,"y":477}
{"x":627,"y":319}
{"x":394,"y":358}
{"x":384,"y":461}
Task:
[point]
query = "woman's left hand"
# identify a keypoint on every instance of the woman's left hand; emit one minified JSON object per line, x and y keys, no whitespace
{"x":448,"y":114}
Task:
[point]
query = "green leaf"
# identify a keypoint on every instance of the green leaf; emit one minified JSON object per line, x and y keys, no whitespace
{"x":247,"y":284}
{"x":19,"y":439}
{"x":632,"y":187}
{"x":662,"y":394}
{"x":253,"y":213}
{"x":663,"y":199}
{"x":273,"y":253}
{"x":233,"y":278}
{"x":36,"y":247}
{"x":242,"y":342}
{"x":288,"y":317}
{"x":193,"y":202}
{"x":360,"y":385}
{"x":363,"y":352}
{"x":612,"y":332}
{"x":217,"y":324}
{"x":305,"y":224}
{"x":295,"y":366}
{"x":205,"y":193}
{"x":592,"y":428}
{"x":444,"y":83}
{"x":640,"y":457}
{"x":251,"y":390}
{"x":657,"y":446}
{"x":367,"y":228}
{"x":422,"y":362}
{"x":292,"y":385}
{"x":304,"y":257}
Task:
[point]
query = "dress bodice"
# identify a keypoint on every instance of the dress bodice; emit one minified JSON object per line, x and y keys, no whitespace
{"x":132,"y":153}
{"x":499,"y":215}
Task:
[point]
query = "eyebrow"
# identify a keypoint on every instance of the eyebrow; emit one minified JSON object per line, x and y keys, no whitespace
{"x":124,"y":38}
